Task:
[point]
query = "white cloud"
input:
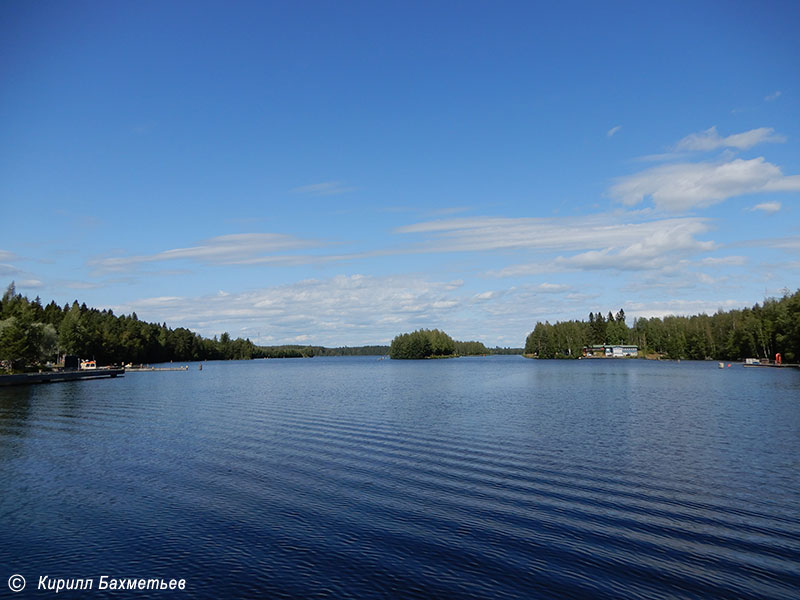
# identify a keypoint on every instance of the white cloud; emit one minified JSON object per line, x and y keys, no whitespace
{"x":789,"y":183}
{"x":240,"y":248}
{"x":160,"y":301}
{"x":512,"y":313}
{"x":685,"y":186}
{"x":670,"y":282}
{"x":782,"y":243}
{"x":351,"y":310}
{"x":8,"y":270}
{"x":5,"y":255}
{"x":600,"y":241}
{"x":659,"y":249}
{"x":767,"y":207}
{"x":486,"y":295}
{"x":29,"y":283}
{"x":773,"y":96}
{"x":451,"y":210}
{"x":551,"y":288}
{"x":724,"y":261}
{"x":81,"y":285}
{"x":326,"y":188}
{"x":613,"y":130}
{"x":789,"y":243}
{"x":680,"y":307}
{"x":710,"y":139}
{"x":360,"y":309}
{"x":555,"y":234}
{"x":522,"y":270}
{"x":661,"y":157}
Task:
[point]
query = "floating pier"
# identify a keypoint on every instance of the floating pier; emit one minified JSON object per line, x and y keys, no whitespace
{"x":58,"y":376}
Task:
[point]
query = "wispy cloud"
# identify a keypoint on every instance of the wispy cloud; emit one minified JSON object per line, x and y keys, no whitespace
{"x":30,"y":284}
{"x":724,"y":261}
{"x":526,"y":269}
{"x":552,"y":288}
{"x":565,"y":234}
{"x":8,"y":270}
{"x":790,"y":243}
{"x":669,"y":283}
{"x":326,"y":188}
{"x":661,"y":157}
{"x":540,"y":288}
{"x":82,"y":285}
{"x":613,"y":130}
{"x":785,"y":243}
{"x":487,"y":295}
{"x":680,"y":307}
{"x":710,"y":139}
{"x":767,"y":207}
{"x":241,"y":248}
{"x":651,"y":252}
{"x":598,"y":242}
{"x":449,"y":210}
{"x":773,"y":96}
{"x":685,"y":186}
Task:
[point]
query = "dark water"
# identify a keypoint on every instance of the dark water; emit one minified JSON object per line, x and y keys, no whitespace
{"x":357,"y":478}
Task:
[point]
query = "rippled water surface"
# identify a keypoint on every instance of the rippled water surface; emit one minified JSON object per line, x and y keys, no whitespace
{"x":490,"y":477}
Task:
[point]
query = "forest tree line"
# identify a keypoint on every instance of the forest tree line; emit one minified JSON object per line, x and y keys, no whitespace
{"x":758,"y":332}
{"x":299,"y":351}
{"x":32,"y":334}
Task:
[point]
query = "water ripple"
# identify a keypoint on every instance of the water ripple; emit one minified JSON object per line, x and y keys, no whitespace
{"x":246,"y":492}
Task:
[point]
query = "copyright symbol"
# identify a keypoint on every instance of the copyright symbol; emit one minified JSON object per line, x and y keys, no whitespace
{"x":16,"y":583}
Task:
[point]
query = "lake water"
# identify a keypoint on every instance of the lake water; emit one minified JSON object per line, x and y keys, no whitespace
{"x":493,"y":477}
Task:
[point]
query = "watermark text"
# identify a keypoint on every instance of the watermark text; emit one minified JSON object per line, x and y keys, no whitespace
{"x":104,"y":582}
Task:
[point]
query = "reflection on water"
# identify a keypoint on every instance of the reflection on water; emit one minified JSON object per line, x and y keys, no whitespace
{"x":351,"y":477}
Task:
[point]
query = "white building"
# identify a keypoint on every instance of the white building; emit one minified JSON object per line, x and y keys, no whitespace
{"x":621,"y":351}
{"x":611,"y":350}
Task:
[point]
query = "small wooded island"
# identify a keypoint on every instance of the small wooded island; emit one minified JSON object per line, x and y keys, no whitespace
{"x":432,"y":343}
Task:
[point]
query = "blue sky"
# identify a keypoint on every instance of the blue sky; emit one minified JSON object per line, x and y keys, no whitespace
{"x":338,"y":173}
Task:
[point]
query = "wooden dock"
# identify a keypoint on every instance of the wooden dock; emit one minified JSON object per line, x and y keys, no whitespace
{"x":141,"y":369}
{"x":773,"y":365}
{"x":58,"y":376}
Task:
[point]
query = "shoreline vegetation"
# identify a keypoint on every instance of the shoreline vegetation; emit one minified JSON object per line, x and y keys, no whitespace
{"x":33,"y":336}
{"x":761,"y":331}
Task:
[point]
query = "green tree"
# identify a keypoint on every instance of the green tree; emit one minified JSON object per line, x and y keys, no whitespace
{"x":71,"y":332}
{"x":25,"y":343}
{"x":598,"y":329}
